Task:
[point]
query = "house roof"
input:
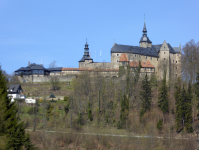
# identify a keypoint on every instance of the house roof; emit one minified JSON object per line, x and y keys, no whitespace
{"x":55,"y":69}
{"x":14,"y":88}
{"x":149,"y":51}
{"x":85,"y":69}
{"x":38,"y":67}
{"x":144,"y":64}
{"x":123,"y":57}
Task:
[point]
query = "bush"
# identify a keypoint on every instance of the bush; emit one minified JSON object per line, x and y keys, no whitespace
{"x":66,"y":98}
{"x":159,"y":124}
{"x":31,"y":112}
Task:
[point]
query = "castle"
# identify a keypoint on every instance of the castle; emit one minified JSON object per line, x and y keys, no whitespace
{"x":154,"y":59}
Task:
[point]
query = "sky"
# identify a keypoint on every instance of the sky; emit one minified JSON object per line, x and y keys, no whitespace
{"x":42,"y":31}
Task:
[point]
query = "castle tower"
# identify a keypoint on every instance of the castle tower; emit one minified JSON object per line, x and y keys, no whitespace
{"x":86,"y":57}
{"x":144,"y":41}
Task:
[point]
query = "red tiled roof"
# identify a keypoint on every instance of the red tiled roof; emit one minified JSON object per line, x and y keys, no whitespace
{"x":123,"y":57}
{"x":144,"y":64}
{"x":85,"y":69}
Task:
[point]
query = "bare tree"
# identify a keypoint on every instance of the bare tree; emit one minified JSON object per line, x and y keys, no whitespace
{"x":190,"y":63}
{"x":53,"y":64}
{"x":54,"y":80}
{"x":14,"y":79}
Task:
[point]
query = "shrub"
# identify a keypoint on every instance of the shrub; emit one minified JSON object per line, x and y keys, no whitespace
{"x":66,"y":98}
{"x":31,"y":111}
{"x":159,"y":124}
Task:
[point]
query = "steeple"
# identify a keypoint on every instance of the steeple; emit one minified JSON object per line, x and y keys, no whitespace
{"x":86,"y":55}
{"x":86,"y":49}
{"x":144,"y":41}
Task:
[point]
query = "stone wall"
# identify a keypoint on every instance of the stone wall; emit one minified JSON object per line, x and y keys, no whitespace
{"x":42,"y":78}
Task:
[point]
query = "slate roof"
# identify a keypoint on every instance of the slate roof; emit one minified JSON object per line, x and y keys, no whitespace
{"x":177,"y":49}
{"x":149,"y":51}
{"x":55,"y":69}
{"x":32,"y":67}
{"x":85,"y":58}
{"x":145,"y":39}
{"x":14,"y":87}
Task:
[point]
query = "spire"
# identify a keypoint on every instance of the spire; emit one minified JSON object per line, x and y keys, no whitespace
{"x":144,"y":37}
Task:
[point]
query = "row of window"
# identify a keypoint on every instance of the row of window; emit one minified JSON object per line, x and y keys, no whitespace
{"x":38,"y":71}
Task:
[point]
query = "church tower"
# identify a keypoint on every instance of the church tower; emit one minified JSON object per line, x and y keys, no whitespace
{"x":144,"y":41}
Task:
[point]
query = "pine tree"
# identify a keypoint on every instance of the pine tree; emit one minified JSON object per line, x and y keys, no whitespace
{"x":90,"y":117}
{"x":163,"y":102}
{"x":124,"y":108}
{"x":9,"y":126}
{"x":188,"y":113}
{"x":27,"y":143}
{"x":178,"y":104}
{"x":146,"y":96}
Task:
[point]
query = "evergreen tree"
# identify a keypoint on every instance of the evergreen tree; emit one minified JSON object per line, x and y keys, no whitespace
{"x":90,"y":117}
{"x":163,"y":102}
{"x":27,"y":143}
{"x":124,"y":108}
{"x":188,"y":109}
{"x":197,"y":90}
{"x":9,"y":126}
{"x":178,"y":103}
{"x":146,"y":96}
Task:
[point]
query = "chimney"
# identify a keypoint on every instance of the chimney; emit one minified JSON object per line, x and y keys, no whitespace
{"x":28,"y":63}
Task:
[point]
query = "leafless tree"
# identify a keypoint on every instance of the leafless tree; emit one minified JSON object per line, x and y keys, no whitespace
{"x":53,"y":64}
{"x":14,"y":79}
{"x":190,"y":63}
{"x":54,"y":80}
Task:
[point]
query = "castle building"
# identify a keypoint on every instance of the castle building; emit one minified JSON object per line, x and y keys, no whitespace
{"x":154,"y":58}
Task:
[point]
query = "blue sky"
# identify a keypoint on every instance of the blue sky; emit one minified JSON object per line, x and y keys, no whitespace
{"x":48,"y":30}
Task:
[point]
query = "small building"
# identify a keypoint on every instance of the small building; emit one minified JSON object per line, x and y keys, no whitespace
{"x":32,"y":69}
{"x":37,"y":69}
{"x":15,"y":92}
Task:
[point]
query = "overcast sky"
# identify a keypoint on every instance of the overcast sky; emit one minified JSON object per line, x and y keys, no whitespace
{"x":46,"y":30}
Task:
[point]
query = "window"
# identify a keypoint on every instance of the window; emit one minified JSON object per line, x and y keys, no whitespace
{"x":176,"y":68}
{"x":176,"y":61}
{"x":173,"y":61}
{"x":157,"y":59}
{"x":41,"y":71}
{"x":151,"y":69}
{"x":146,"y":57}
{"x":35,"y":71}
{"x":164,"y":52}
{"x":81,"y":63}
{"x":164,"y":58}
{"x":151,"y":58}
{"x":176,"y":75}
{"x":117,"y":54}
{"x":135,"y":55}
{"x":123,"y":63}
{"x":117,"y":60}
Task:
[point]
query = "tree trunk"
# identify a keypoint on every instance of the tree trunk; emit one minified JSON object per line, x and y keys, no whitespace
{"x":35,"y":116}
